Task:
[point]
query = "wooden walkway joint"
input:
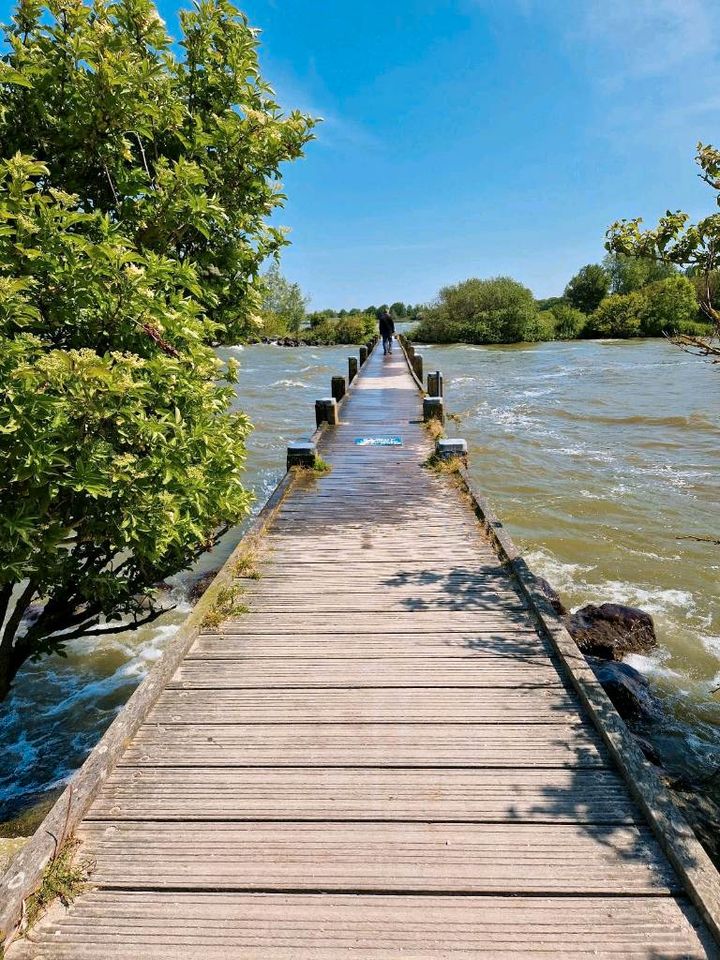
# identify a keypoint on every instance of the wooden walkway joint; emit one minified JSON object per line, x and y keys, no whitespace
{"x":397,"y":752}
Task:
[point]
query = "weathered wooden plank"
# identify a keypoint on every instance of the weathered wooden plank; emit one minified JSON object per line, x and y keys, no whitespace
{"x":123,"y":925}
{"x":381,"y":623}
{"x":383,"y":603}
{"x":570,"y":744}
{"x":397,"y":672}
{"x":521,"y":644}
{"x":537,"y":705}
{"x":407,"y":857}
{"x":440,"y":794}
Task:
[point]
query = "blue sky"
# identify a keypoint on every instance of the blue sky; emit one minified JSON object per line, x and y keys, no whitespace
{"x":482,"y":137}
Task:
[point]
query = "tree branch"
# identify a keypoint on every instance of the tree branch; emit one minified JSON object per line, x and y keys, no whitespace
{"x":15,"y":618}
{"x":121,"y":628}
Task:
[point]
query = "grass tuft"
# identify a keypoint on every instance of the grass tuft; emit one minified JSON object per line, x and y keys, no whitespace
{"x":246,"y":566}
{"x":62,"y":880}
{"x":226,"y":605}
{"x":447,"y":465}
{"x":320,"y":468}
{"x":434,"y":428}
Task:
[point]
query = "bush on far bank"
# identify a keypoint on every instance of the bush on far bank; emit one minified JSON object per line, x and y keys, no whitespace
{"x":498,"y":310}
{"x":328,"y":331}
{"x":663,"y":307}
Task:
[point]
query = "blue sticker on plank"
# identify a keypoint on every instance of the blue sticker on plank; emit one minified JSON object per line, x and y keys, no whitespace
{"x":378,"y":441}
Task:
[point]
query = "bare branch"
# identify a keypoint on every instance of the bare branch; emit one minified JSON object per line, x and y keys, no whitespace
{"x":121,"y":628}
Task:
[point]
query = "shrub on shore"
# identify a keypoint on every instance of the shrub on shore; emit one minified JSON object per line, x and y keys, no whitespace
{"x":352,"y":328}
{"x":663,"y":307}
{"x":498,"y":310}
{"x":567,"y":322}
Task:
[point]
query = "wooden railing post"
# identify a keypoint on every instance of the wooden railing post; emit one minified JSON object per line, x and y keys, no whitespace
{"x":435,"y":384}
{"x":337,"y":388}
{"x":352,"y":368}
{"x":417,"y":364}
{"x":301,"y":453}
{"x":433,"y":409}
{"x":326,"y":411}
{"x":363,"y":354}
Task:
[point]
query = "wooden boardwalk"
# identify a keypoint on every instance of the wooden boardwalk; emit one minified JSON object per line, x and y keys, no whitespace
{"x":382,"y":759}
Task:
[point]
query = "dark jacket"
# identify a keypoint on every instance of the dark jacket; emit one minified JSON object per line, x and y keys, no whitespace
{"x":386,"y":325}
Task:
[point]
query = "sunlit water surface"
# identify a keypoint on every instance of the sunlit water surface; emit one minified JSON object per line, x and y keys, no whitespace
{"x":602,"y":458}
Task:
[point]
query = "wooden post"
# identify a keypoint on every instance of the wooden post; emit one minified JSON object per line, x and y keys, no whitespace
{"x":409,"y":349}
{"x":301,"y":453}
{"x":417,"y":364}
{"x":433,"y":409}
{"x":352,"y":369}
{"x":363,"y":354}
{"x":446,"y":449}
{"x":337,"y":388}
{"x":435,"y":384}
{"x":326,"y":411}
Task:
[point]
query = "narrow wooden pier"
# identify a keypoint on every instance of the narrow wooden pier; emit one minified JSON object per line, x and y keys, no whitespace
{"x":384,"y":758}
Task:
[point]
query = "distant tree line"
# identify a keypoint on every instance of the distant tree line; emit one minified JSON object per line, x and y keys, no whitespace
{"x":624,"y":296}
{"x":284,"y":315}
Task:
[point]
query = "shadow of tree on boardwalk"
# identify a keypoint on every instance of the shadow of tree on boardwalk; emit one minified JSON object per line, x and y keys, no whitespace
{"x":618,"y":827}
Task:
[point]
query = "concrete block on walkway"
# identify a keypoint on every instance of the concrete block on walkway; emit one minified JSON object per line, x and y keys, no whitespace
{"x":447,"y":448}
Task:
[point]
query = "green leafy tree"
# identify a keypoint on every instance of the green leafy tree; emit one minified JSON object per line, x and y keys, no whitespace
{"x":184,"y":152}
{"x":617,"y":316}
{"x":134,"y":196}
{"x":283,"y":309}
{"x":675,"y":241}
{"x":545,"y":325}
{"x":548,"y":303}
{"x":668,"y":306}
{"x":499,"y":310}
{"x":628,"y":274}
{"x":588,"y":287}
{"x":119,"y":461}
{"x":352,"y":328}
{"x":569,"y":322}
{"x":664,"y":307}
{"x":398,"y":309}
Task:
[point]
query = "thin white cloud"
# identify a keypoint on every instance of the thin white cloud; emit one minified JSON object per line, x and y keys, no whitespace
{"x":650,"y":37}
{"x":654,"y":63}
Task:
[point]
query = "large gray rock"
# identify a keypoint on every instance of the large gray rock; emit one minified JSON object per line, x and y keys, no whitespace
{"x":551,"y":595}
{"x":611,"y":630}
{"x":628,"y":690}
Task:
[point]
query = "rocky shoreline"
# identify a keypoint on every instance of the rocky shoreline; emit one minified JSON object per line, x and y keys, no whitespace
{"x":605,"y":634}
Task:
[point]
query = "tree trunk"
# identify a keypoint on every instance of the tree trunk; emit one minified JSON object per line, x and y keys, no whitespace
{"x":12,"y":654}
{"x":10,"y":663}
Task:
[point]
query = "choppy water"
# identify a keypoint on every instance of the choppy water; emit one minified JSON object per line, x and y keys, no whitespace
{"x":599,"y":457}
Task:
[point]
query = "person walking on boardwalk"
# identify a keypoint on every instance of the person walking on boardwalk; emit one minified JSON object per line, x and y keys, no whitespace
{"x":387,"y":329}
